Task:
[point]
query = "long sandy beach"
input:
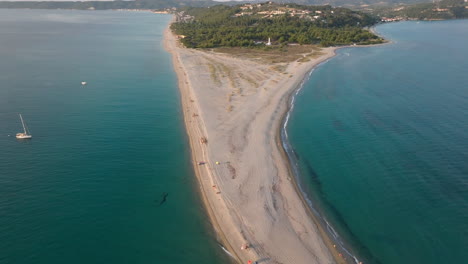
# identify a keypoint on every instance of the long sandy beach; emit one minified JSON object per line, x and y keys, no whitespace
{"x":233,"y":110}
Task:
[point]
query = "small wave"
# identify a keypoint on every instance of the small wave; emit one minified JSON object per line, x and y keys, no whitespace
{"x":227,"y":251}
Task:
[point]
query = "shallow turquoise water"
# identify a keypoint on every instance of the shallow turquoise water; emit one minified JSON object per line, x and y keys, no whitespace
{"x":88,"y":187}
{"x":381,"y":138}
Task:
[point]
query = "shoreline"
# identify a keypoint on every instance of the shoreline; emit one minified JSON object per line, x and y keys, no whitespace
{"x":232,"y":230}
{"x":184,"y":97}
{"x":316,"y":216}
{"x":331,"y":237}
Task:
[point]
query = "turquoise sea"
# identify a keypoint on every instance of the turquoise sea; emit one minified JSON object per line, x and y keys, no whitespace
{"x":380,"y":137}
{"x":106,"y":177}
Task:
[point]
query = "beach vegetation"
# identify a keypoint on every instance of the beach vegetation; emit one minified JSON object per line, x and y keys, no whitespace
{"x":272,"y":55}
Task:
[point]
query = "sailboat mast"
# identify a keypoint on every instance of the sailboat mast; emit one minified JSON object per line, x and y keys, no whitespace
{"x":22,"y":122}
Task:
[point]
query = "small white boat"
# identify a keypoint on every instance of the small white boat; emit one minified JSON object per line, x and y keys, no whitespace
{"x":83,"y":83}
{"x":24,"y":135}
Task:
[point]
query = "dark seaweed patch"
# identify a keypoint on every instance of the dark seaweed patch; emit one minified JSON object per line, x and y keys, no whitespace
{"x":163,"y":199}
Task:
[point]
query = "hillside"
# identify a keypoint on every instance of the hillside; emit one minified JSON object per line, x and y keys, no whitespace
{"x":353,"y":3}
{"x":162,"y":4}
{"x":446,"y":9}
{"x":104,"y":5}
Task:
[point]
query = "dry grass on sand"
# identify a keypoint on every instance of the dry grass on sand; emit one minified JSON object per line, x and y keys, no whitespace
{"x":274,"y":54}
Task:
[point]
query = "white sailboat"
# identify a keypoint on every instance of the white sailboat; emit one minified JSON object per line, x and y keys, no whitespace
{"x":24,"y":135}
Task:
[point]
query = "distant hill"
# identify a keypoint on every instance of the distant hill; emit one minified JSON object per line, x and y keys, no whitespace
{"x":103,"y":5}
{"x":440,"y":10}
{"x":398,"y":9}
{"x":350,"y":3}
{"x":162,"y":4}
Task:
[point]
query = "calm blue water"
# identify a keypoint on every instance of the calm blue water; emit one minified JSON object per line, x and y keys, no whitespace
{"x":381,"y":137}
{"x":88,"y":187}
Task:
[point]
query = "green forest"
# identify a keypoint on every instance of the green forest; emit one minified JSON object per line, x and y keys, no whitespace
{"x":252,"y":25}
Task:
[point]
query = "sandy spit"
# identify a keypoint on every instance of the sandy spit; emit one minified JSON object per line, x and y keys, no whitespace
{"x":237,"y":105}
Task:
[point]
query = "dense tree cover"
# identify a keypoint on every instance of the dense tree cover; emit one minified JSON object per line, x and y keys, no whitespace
{"x":219,"y":27}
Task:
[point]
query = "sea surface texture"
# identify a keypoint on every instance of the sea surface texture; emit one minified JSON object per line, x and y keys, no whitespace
{"x":106,"y":177}
{"x":381,"y":136}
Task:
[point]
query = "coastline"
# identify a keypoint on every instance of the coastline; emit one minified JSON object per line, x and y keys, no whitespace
{"x":285,"y":207}
{"x":330,"y":236}
{"x":184,"y":97}
{"x":317,"y":218}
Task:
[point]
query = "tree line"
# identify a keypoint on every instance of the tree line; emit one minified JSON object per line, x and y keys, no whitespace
{"x":219,"y":27}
